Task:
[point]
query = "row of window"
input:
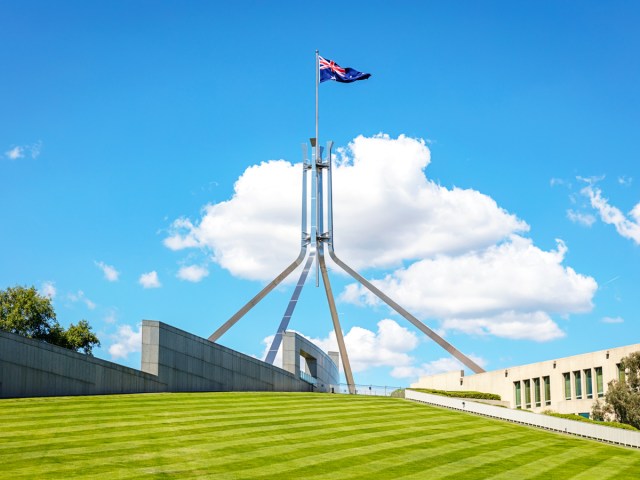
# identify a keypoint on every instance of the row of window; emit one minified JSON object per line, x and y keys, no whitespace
{"x":537,"y":392}
{"x":583,"y":378}
{"x":577,"y":384}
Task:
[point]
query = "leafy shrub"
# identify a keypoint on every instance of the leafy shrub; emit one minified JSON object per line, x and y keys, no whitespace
{"x":579,"y":418}
{"x":460,"y":394}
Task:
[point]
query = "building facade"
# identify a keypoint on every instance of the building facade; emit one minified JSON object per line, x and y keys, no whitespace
{"x":563,"y":385}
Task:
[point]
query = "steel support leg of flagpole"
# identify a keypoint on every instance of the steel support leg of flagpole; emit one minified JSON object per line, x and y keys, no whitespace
{"x":277,"y":339}
{"x":417,"y":323}
{"x":344,"y":357}
{"x":321,"y":238}
{"x":254,"y":301}
{"x":306,"y":166}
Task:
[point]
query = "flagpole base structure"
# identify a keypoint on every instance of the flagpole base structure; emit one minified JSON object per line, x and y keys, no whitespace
{"x":318,"y":238}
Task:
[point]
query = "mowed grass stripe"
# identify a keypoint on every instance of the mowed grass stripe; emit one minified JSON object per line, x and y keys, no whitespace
{"x":129,"y":417}
{"x":244,"y":435}
{"x":566,"y":464}
{"x":126,"y":439}
{"x":454,"y":463}
{"x":610,"y":467}
{"x":384,"y":461}
{"x":280,"y":460}
{"x":486,"y":459}
{"x":114,"y":432}
{"x":177,"y":400}
{"x":177,"y":447}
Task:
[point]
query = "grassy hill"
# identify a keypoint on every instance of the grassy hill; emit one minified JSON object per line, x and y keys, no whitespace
{"x":279,"y":435}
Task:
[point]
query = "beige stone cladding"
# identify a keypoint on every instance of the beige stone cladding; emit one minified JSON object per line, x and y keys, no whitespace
{"x":564,"y":385}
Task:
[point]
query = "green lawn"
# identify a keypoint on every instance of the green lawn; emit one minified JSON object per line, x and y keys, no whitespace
{"x":279,"y":435}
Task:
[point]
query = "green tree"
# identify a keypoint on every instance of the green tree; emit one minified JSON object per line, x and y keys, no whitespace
{"x":623,"y":397}
{"x":80,"y":337}
{"x":25,"y":312}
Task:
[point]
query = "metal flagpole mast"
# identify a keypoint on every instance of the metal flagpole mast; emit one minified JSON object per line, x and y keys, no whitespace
{"x":316,"y":160}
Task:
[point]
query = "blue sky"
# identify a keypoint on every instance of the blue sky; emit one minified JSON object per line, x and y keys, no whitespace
{"x":489,"y":171}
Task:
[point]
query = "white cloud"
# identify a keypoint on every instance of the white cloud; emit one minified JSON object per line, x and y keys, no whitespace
{"x":110,"y":273}
{"x":387,"y":212}
{"x":192,"y":273}
{"x":462,"y":259}
{"x":48,"y":289}
{"x":150,"y":280}
{"x":15,"y":153}
{"x":585,"y":219}
{"x":626,"y":227}
{"x":20,"y":151}
{"x":81,"y":297}
{"x":389,"y":346}
{"x":508,"y":290}
{"x":441,"y":365}
{"x":127,"y":341}
{"x":612,"y":320}
{"x":536,"y":326}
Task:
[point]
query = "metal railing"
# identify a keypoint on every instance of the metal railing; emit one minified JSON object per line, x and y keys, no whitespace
{"x":373,"y":390}
{"x":308,"y":378}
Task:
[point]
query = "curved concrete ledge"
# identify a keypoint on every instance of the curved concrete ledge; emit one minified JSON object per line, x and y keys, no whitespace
{"x":588,"y":430}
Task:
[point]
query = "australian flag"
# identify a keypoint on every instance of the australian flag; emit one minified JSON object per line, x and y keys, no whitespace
{"x":330,"y":70}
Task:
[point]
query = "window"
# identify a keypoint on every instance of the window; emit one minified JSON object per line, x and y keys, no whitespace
{"x":536,"y":391}
{"x":567,"y":385}
{"x":547,"y":390}
{"x":621,"y":378}
{"x":527,"y":393}
{"x":577,"y":377}
{"x":518,"y":398}
{"x":599,"y":382}
{"x":588,"y":383}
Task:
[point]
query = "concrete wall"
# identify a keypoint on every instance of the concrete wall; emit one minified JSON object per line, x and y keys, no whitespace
{"x":321,"y":366}
{"x":172,"y":360}
{"x":583,"y":429}
{"x":187,"y":363}
{"x":502,"y":381}
{"x":31,"y":368}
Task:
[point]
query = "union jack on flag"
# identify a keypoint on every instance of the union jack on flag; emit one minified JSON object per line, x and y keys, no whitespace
{"x":330,"y":70}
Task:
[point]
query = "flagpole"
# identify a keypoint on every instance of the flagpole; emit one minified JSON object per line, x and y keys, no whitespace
{"x":317,"y":90}
{"x":314,"y":241}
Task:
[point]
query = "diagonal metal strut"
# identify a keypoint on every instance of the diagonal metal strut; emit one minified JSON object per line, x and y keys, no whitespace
{"x":277,"y":340}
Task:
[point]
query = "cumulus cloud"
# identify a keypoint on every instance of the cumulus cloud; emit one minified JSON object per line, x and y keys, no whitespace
{"x":507,"y":290}
{"x":440,"y":365}
{"x":48,"y":289}
{"x":627,"y":227}
{"x":387,"y":212}
{"x":192,"y":273}
{"x":126,"y":341}
{"x":79,"y":296}
{"x":459,"y":257}
{"x":389,"y":346}
{"x":150,"y":280}
{"x":21,"y":151}
{"x":110,"y":273}
{"x":585,"y":219}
